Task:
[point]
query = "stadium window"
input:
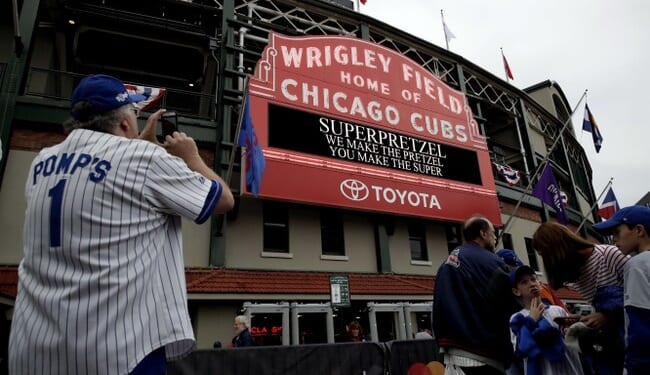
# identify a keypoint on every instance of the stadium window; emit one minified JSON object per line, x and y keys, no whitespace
{"x":331,"y":232}
{"x":276,"y":227}
{"x":506,"y":240}
{"x":452,"y":233}
{"x":532,"y":256}
{"x":418,"y":241}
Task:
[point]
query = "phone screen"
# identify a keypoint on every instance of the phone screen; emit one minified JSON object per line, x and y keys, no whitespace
{"x":169,"y":123}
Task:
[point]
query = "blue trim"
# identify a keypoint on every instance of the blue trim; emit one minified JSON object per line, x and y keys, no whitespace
{"x":210,"y":202}
{"x":155,"y":363}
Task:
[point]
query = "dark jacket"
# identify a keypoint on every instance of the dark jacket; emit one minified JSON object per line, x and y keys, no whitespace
{"x":473,"y":302}
{"x":243,"y":339}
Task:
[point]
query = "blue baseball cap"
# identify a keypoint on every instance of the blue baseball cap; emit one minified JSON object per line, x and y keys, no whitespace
{"x":629,"y":215}
{"x":510,"y":257}
{"x":517,"y":274}
{"x":103,"y":92}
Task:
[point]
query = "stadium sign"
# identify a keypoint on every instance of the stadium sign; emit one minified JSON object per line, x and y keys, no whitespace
{"x":335,"y":113}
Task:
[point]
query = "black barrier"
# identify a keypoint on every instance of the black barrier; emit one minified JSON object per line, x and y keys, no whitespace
{"x":365,"y":358}
{"x":403,"y":354}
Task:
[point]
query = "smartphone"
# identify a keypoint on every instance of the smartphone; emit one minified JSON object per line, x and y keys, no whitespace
{"x":567,"y":320}
{"x":169,"y":123}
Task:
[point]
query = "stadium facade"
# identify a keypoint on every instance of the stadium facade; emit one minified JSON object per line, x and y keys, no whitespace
{"x":299,"y":259}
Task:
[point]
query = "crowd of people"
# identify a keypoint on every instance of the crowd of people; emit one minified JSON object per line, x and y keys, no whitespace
{"x":492,"y":315}
{"x":118,"y":192}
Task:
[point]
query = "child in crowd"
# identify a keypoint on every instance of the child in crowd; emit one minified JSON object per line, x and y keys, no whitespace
{"x":513,"y":262}
{"x":630,"y":228}
{"x":535,"y":334}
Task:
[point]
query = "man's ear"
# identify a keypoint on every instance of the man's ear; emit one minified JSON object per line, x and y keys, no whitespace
{"x":124,"y":126}
{"x":640,"y":228}
{"x":516,"y":292}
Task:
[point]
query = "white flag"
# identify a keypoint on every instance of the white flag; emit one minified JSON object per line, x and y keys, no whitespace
{"x":448,"y":34}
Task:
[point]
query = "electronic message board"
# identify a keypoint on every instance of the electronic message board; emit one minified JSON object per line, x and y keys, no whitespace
{"x":345,"y":122}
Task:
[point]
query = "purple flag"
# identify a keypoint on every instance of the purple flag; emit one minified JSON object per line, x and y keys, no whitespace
{"x":255,"y":162}
{"x":549,"y":192}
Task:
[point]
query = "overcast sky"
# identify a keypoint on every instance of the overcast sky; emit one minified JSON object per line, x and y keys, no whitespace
{"x":595,"y":45}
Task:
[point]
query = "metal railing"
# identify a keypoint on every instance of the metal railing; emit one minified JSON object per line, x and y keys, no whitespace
{"x":58,"y":85}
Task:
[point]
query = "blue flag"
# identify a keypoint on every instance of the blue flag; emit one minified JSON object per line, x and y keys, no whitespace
{"x":549,"y":192}
{"x":255,"y":162}
{"x":589,"y":125}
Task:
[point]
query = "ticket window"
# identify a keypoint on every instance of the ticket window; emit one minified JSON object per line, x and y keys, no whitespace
{"x":343,"y":316}
{"x":269,"y":323}
{"x":418,"y":317}
{"x":311,"y":324}
{"x":387,"y":321}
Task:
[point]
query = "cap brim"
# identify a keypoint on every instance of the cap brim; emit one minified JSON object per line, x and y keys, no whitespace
{"x":606,"y":226}
{"x":516,"y":275}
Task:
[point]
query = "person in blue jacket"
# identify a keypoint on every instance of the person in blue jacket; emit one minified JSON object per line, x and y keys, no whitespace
{"x":536,"y":336}
{"x":472,"y":304}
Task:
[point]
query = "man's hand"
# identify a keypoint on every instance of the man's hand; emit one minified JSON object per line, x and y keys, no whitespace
{"x":179,"y":144}
{"x":594,"y":320}
{"x":149,"y":131}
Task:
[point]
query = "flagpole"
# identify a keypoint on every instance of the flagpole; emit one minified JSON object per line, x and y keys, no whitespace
{"x":539,"y":169}
{"x":503,"y":61}
{"x":358,"y":7}
{"x":444,"y":29}
{"x":591,"y":209}
{"x":235,"y":143}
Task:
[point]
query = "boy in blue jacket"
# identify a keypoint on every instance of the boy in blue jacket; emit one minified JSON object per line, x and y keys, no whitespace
{"x":535,"y":335}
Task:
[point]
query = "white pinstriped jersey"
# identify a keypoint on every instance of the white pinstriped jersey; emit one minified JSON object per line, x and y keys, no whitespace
{"x":102,"y":282}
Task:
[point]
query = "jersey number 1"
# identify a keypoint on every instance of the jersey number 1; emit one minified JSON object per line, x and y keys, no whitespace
{"x":55,"y":213}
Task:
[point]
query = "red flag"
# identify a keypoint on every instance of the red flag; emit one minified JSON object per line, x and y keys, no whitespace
{"x":363,"y":2}
{"x":507,"y":67}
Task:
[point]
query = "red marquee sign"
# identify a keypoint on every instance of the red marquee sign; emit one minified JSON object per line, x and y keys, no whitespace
{"x":346,"y":122}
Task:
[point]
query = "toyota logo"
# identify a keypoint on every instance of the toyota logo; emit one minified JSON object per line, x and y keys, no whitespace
{"x":354,"y":190}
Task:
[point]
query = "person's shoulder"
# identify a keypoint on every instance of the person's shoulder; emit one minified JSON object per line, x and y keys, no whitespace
{"x":144,"y":150}
{"x":522,"y":312}
{"x":611,"y":255}
{"x":643,"y":256}
{"x":471,"y":251}
{"x":556,"y":310}
{"x":145,"y":145}
{"x":641,"y":260}
{"x":518,"y":316}
{"x":607,"y":250}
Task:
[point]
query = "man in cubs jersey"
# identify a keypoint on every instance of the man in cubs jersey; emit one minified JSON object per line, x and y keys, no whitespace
{"x":102,"y":282}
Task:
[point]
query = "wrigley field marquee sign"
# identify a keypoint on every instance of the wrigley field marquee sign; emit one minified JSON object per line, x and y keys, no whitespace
{"x":345,"y":122}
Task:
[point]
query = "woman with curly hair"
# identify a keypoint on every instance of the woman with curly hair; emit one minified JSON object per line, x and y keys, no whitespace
{"x":596,"y":272}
